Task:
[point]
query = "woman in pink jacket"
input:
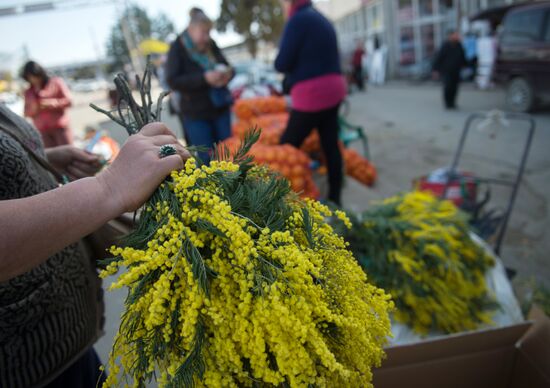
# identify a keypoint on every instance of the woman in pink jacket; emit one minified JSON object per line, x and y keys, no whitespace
{"x":46,"y":102}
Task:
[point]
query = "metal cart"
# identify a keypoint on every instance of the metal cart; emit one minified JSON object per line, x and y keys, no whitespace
{"x":496,"y":118}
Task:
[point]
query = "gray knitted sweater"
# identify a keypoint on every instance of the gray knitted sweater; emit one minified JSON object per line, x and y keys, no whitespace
{"x":50,"y":315}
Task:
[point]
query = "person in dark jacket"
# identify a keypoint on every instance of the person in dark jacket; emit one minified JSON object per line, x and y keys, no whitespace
{"x":198,"y":71}
{"x":447,"y":65}
{"x":309,"y":57}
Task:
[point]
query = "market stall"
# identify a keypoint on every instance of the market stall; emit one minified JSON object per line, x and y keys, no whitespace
{"x":234,"y":280}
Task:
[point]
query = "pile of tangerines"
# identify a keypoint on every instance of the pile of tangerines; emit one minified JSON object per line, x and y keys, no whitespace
{"x":270,"y":114}
{"x":248,"y":108}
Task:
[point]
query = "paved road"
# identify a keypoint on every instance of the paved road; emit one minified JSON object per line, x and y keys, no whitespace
{"x":410,"y":134}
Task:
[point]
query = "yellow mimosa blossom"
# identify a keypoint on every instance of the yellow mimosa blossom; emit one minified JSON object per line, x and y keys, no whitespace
{"x":418,"y":248}
{"x":235,"y":287}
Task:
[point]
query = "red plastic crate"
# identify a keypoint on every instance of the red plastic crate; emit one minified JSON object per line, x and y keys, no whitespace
{"x":458,"y":191}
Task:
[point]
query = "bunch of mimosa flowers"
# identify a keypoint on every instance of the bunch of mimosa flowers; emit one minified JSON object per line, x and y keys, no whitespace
{"x":234,"y":281}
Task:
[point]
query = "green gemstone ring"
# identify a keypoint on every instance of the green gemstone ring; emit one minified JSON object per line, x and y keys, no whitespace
{"x":166,"y":150}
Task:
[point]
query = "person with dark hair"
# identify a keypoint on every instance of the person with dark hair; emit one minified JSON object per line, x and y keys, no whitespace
{"x":309,"y":57}
{"x":46,"y":102}
{"x":447,"y":65}
{"x":198,"y":71}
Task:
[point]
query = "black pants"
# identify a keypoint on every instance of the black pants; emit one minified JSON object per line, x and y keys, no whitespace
{"x":300,"y":126}
{"x":358,"y":77}
{"x":450,"y":89}
{"x":83,"y":373}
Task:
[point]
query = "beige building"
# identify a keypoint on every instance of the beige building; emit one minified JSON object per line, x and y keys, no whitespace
{"x":412,"y":30}
{"x":337,"y":9}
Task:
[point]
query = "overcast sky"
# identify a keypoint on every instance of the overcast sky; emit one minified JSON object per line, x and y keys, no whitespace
{"x":64,"y":36}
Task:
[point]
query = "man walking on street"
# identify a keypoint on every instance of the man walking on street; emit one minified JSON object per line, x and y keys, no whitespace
{"x":447,"y":65}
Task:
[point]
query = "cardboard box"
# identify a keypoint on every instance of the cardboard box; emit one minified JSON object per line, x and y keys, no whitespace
{"x":516,"y":356}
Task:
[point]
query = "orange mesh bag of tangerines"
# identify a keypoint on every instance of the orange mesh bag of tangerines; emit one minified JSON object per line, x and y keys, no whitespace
{"x":292,"y":163}
{"x":359,"y":167}
{"x":247,"y":108}
{"x":273,"y":126}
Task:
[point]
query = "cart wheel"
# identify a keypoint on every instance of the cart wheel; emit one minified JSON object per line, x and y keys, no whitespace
{"x":520,"y":96}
